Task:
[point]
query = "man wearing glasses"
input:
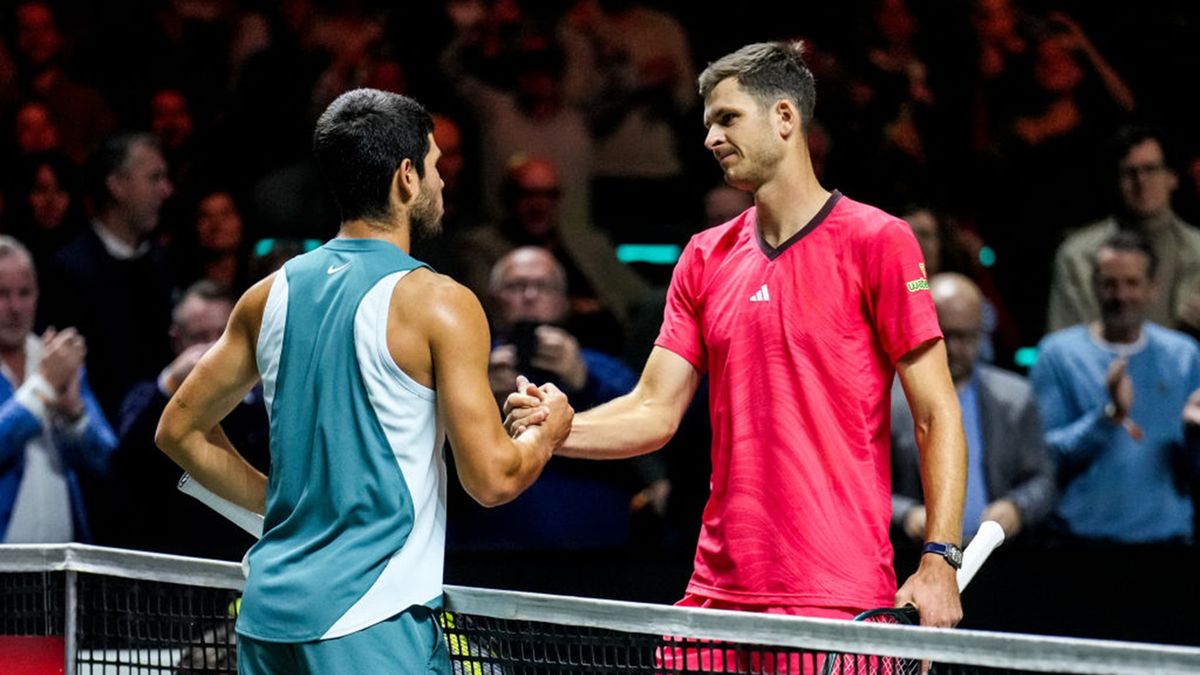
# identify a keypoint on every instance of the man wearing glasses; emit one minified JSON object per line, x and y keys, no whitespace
{"x":1145,"y":182}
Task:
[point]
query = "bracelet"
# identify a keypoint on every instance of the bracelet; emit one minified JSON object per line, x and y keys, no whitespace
{"x":1110,"y":411}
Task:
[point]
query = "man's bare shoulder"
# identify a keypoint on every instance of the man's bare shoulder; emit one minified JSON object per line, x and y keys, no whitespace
{"x":248,"y":312}
{"x":435,"y":299}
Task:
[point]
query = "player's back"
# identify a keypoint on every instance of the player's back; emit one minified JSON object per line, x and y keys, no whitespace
{"x":354,"y":525}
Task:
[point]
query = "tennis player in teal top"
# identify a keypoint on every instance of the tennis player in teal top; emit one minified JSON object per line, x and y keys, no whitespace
{"x":368,"y":359}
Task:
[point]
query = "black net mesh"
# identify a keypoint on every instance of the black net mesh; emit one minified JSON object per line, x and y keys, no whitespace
{"x":159,"y":627}
{"x":31,"y":603}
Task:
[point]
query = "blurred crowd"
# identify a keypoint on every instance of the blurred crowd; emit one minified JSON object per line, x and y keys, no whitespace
{"x":155,"y":162}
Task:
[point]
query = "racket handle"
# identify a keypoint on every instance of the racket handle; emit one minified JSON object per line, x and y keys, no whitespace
{"x":242,"y":517}
{"x":989,"y":536}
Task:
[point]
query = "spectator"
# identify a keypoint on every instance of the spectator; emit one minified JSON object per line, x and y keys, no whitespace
{"x":34,"y":130}
{"x":213,"y":248}
{"x":597,"y":282}
{"x":51,"y":427}
{"x":82,"y":115}
{"x":1120,"y":399}
{"x":648,"y":86}
{"x":45,"y":206}
{"x":142,"y":475}
{"x":1145,"y":182}
{"x":532,"y":119}
{"x":112,"y":281}
{"x":172,"y":121}
{"x":1009,"y":476}
{"x":573,"y":504}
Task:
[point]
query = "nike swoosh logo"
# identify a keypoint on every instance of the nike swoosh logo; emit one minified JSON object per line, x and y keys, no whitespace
{"x":338,"y":268}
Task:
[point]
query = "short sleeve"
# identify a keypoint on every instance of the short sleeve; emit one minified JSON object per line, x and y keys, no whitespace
{"x":898,"y":285}
{"x":681,"y":330}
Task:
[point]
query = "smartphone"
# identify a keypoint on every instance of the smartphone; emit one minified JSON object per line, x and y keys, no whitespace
{"x":523,"y":336}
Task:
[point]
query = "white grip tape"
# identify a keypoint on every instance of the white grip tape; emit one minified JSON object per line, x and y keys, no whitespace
{"x":989,"y":536}
{"x":242,"y":517}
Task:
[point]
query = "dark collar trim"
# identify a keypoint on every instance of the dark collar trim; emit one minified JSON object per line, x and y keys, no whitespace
{"x":773,"y":253}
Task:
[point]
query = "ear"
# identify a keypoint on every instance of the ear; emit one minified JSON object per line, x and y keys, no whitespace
{"x":787,"y":118}
{"x":406,"y":184}
{"x":114,"y":185}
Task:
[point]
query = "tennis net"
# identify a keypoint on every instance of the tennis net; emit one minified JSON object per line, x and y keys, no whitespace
{"x":124,"y":612}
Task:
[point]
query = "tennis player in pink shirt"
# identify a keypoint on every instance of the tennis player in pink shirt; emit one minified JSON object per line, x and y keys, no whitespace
{"x":800,"y":310}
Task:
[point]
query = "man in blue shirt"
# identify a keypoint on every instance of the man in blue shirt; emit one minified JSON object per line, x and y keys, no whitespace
{"x":1009,"y":476}
{"x":1120,"y":398}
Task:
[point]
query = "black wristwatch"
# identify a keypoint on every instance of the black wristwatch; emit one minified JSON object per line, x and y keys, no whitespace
{"x":951,"y":552}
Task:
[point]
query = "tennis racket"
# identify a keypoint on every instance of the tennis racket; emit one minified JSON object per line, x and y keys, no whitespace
{"x":989,"y":536}
{"x":242,"y":517}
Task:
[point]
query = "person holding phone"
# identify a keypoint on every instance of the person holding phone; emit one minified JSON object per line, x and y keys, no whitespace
{"x":529,"y":310}
{"x":530,"y":306}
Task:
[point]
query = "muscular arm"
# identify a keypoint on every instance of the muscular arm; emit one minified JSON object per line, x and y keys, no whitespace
{"x":188,"y":431}
{"x":493,"y":468}
{"x":937,"y":421}
{"x":640,"y":421}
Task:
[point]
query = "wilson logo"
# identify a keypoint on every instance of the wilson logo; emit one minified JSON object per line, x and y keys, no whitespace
{"x":921,"y":284}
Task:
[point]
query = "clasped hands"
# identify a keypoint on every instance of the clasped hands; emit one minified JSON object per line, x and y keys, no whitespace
{"x":530,"y":406}
{"x":62,"y":358}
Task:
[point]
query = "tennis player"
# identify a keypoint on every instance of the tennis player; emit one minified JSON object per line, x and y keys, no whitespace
{"x":799,"y":310}
{"x":365,"y":356}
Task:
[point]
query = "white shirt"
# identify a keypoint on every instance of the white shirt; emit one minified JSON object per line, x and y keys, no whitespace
{"x":115,"y":246}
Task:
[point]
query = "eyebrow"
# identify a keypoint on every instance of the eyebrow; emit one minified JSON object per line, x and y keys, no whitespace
{"x":713,"y":114}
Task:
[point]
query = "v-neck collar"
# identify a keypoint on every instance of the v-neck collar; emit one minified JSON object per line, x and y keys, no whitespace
{"x":774,"y":252}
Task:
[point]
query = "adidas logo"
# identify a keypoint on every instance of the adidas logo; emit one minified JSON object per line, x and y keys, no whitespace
{"x":763,"y":295}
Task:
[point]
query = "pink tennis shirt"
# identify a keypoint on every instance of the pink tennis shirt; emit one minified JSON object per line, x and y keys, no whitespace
{"x":799,"y":343}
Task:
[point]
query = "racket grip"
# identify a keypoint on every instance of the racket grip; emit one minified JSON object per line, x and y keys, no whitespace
{"x":989,"y":536}
{"x":242,"y":517}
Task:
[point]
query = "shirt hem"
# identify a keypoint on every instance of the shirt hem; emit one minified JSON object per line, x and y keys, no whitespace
{"x":435,"y":603}
{"x":934,"y":333}
{"x":682,"y":353}
{"x":788,"y":599}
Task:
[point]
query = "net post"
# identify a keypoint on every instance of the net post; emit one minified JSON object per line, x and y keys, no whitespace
{"x":70,"y":611}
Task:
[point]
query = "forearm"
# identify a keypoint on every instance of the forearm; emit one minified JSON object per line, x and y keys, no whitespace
{"x":212,"y":461}
{"x":89,"y":443}
{"x":17,"y":426}
{"x":624,"y":427}
{"x":943,"y":473}
{"x":514,"y":467}
{"x":1077,"y":443}
{"x":1113,"y":84}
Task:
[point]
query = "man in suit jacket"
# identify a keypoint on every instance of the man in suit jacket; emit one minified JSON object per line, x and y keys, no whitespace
{"x":52,"y":431}
{"x":1009,"y":475}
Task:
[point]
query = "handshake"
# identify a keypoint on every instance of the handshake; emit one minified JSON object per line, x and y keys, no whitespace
{"x":542,"y":410}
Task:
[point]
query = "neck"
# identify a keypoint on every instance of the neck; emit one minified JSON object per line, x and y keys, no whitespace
{"x":1151,"y":225}
{"x":1118,"y":334}
{"x":14,"y":358}
{"x":371,"y":229}
{"x":787,"y":203}
{"x":120,"y":228}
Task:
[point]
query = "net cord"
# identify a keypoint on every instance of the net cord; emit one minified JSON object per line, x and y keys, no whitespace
{"x":977,"y":648}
